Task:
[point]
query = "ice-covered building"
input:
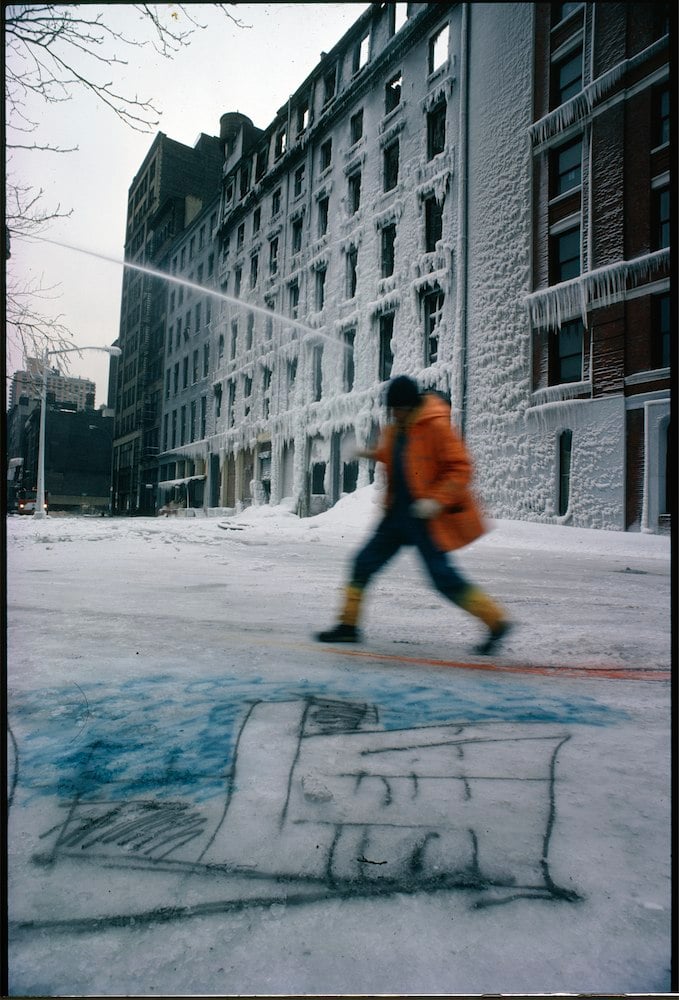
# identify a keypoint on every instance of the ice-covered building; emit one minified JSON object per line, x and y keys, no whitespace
{"x":473,"y":194}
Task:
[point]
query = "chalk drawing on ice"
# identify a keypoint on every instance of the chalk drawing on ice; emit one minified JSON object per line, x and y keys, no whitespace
{"x":319,"y":803}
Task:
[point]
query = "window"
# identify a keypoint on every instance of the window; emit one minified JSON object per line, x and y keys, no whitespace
{"x":229,"y":191}
{"x":317,"y":372}
{"x":360,"y":55}
{"x":244,"y":179}
{"x":172,"y":295}
{"x":211,"y":265}
{"x":661,"y":218}
{"x":661,"y":331}
{"x":386,"y":359}
{"x":560,"y":11}
{"x":433,"y":223}
{"x":254,"y":269}
{"x":326,"y":155}
{"x":208,"y":312}
{"x":329,"y":84}
{"x":388,"y":238}
{"x":234,"y":339}
{"x":192,"y":421}
{"x":168,"y":376}
{"x":436,"y":130}
{"x":198,"y":317}
{"x":354,"y":192}
{"x":221,"y":347}
{"x":302,"y":117}
{"x":206,"y":357}
{"x":433,"y":312}
{"x":566,"y":168}
{"x":294,"y":298}
{"x":661,"y":116}
{"x":356,"y":126}
{"x":349,"y":338}
{"x":185,"y":372}
{"x":182,"y":421}
{"x":322,"y":216}
{"x":165,"y":431}
{"x":565,"y":449}
{"x":398,"y":14}
{"x":567,"y":353}
{"x":291,"y":371}
{"x":247,"y":394}
{"x":438,"y":49}
{"x":260,"y":163}
{"x":320,"y":288}
{"x":352,"y":260}
{"x":392,"y":93}
{"x":566,"y":78}
{"x":203,"y":416}
{"x":281,"y":143}
{"x":275,"y":203}
{"x":240,"y":238}
{"x":256,"y":221}
{"x":390,"y":179}
{"x":174,"y":428}
{"x":565,"y":255}
{"x":266,"y":396}
{"x":318,"y":478}
{"x":273,"y":255}
{"x":237,"y":280}
{"x":296,"y":235}
{"x":195,"y":367}
{"x":299,"y":181}
{"x":249,"y":331}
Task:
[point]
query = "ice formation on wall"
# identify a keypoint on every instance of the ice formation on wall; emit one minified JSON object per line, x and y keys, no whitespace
{"x":548,"y":308}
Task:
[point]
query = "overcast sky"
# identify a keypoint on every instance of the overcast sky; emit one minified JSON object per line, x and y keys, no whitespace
{"x":224,"y":68}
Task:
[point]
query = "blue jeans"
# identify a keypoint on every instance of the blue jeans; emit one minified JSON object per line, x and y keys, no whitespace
{"x":394,"y":531}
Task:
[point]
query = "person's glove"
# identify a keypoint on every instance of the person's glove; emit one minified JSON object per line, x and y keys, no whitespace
{"x":425,"y":508}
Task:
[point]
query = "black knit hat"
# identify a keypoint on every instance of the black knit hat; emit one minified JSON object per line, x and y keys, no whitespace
{"x":403,"y":391}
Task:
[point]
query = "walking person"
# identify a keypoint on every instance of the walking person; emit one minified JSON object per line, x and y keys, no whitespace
{"x":428,"y":504}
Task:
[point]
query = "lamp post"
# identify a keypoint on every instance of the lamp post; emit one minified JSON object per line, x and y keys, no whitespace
{"x":115,"y":352}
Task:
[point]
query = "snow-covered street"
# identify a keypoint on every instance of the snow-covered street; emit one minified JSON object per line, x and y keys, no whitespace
{"x":205,"y":800}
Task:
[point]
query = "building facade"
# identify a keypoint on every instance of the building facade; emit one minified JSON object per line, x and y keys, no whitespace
{"x":63,"y":388}
{"x":170,"y":189}
{"x":473,"y":194}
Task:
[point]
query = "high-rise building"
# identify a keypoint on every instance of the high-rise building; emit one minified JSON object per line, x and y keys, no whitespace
{"x":63,"y":388}
{"x":170,"y":189}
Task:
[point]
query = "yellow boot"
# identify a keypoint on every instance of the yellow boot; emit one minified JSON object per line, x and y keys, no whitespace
{"x":346,"y":630}
{"x":478,"y":603}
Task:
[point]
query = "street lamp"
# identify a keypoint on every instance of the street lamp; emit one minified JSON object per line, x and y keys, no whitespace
{"x":115,"y":352}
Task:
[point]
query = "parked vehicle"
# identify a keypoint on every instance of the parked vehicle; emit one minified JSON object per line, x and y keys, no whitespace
{"x":26,"y":501}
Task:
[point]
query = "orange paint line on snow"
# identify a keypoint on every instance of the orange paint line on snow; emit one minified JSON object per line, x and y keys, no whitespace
{"x":607,"y":673}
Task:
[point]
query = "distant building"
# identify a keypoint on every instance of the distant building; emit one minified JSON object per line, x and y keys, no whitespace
{"x":64,"y":388}
{"x":78,"y":449}
{"x":171,"y":188}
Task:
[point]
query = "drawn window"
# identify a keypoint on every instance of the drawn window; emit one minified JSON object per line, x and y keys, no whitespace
{"x":565,"y":255}
{"x":566,"y":78}
{"x":392,"y":93}
{"x":433,"y":223}
{"x":566,"y":168}
{"x":391,"y":166}
{"x":436,"y":130}
{"x":565,"y":450}
{"x":386,"y":358}
{"x":388,"y":239}
{"x":438,"y":49}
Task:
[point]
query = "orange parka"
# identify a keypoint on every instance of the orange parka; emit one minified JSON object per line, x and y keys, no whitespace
{"x":436,"y":465}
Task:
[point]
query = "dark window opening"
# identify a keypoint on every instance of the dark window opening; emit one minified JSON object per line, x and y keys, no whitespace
{"x":566,"y":78}
{"x":567,"y":354}
{"x":323,"y":216}
{"x":436,"y":130}
{"x":386,"y":359}
{"x":391,"y":166}
{"x":354,"y":193}
{"x":326,"y":155}
{"x":388,"y":239}
{"x":348,"y":364}
{"x":565,"y":256}
{"x":352,"y":262}
{"x":318,"y":478}
{"x":433,"y":313}
{"x":356,"y":126}
{"x":661,"y":218}
{"x":433,"y":223}
{"x":565,"y":450}
{"x":566,"y":168}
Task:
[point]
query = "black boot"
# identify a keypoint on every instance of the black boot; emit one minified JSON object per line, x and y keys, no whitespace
{"x":494,"y":639}
{"x":340,"y":633}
